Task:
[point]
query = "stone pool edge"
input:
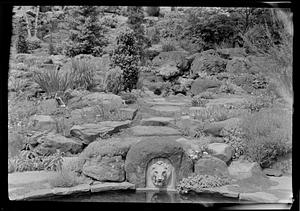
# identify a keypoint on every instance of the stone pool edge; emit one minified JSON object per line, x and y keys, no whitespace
{"x":108,"y":186}
{"x":82,"y":188}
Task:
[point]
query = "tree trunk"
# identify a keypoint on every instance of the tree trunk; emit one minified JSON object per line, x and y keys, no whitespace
{"x":36,"y":21}
{"x":27,"y":23}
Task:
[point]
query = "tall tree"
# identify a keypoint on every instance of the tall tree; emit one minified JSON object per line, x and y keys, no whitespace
{"x":87,"y":35}
{"x":135,"y":21}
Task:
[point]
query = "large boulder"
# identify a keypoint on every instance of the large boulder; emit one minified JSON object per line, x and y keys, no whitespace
{"x":238,"y":65}
{"x":116,"y":146}
{"x":209,"y":165}
{"x":48,"y":107}
{"x":43,"y":123}
{"x":105,"y":169}
{"x":220,"y":150}
{"x":51,"y":143}
{"x":89,"y":132}
{"x":177,"y":57}
{"x":104,"y":159}
{"x":93,"y":99}
{"x":215,"y":128}
{"x":232,"y":52}
{"x":144,"y":151}
{"x":168,"y":70}
{"x":243,"y":169}
{"x":209,"y":62}
{"x":201,"y":85}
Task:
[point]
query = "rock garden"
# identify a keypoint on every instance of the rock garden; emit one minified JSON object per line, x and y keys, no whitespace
{"x":136,"y":107}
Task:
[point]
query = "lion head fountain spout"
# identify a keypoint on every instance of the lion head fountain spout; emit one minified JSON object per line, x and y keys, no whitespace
{"x":160,"y":174}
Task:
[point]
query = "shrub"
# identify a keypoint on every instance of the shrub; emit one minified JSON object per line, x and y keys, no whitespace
{"x":199,"y":182}
{"x":64,"y":178}
{"x":235,"y":138}
{"x":267,"y":133}
{"x":126,"y":56}
{"x":198,"y":101}
{"x":258,"y":103}
{"x":83,"y":74}
{"x":30,"y":161}
{"x":109,"y":21}
{"x":16,"y":84}
{"x":212,"y":113}
{"x":168,"y":45}
{"x":33,"y":43}
{"x":53,"y":81}
{"x":113,"y":81}
{"x":167,"y":88}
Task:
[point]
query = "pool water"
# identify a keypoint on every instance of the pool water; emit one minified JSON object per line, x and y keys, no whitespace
{"x":143,"y":196}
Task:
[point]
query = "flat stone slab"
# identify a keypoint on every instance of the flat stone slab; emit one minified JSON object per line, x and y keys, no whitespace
{"x":166,"y":103}
{"x":154,"y":131}
{"x":259,"y":197}
{"x":34,"y":184}
{"x":111,"y":186}
{"x":76,"y":189}
{"x":157,"y":121}
{"x":222,"y":190}
{"x":166,"y":110}
{"x":89,"y":132}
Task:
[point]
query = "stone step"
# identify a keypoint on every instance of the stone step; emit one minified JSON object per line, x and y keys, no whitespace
{"x":158,"y":121}
{"x":166,"y":110}
{"x":154,"y":131}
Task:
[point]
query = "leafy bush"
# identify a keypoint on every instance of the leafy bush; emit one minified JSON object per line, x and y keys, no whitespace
{"x":64,"y":178}
{"x":30,"y":161}
{"x":53,"y":81}
{"x":16,"y":84}
{"x":109,"y":21}
{"x":171,"y":26}
{"x":83,"y":74}
{"x":168,"y":45}
{"x":199,"y":182}
{"x":33,"y":43}
{"x":212,"y":113}
{"x":235,"y":138}
{"x":113,"y":81}
{"x":167,"y":88}
{"x":87,"y":35}
{"x":267,"y":134}
{"x":126,"y":56}
{"x":258,"y":103}
{"x":199,"y":101}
